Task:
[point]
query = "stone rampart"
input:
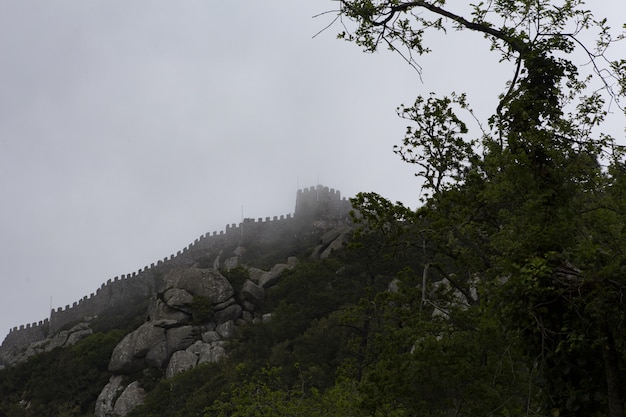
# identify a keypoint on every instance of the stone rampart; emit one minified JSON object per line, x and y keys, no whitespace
{"x":143,"y":283}
{"x":314,"y":202}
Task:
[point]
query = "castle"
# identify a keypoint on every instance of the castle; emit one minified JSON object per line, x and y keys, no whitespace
{"x":312,"y":204}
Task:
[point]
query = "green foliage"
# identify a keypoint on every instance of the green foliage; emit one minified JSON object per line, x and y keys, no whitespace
{"x":201,"y":310}
{"x":535,"y":220}
{"x":267,"y":395}
{"x":60,"y":382}
{"x":237,"y":277}
{"x":186,"y":394}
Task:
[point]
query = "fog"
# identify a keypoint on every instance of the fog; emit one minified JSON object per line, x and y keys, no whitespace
{"x":129,"y":129}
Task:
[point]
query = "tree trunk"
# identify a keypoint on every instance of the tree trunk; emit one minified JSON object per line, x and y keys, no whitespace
{"x":613,"y":383}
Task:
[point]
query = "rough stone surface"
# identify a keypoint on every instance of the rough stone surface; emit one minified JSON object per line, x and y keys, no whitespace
{"x":158,"y":355}
{"x":105,"y":402}
{"x":180,"y":338}
{"x":256,"y":274}
{"x":129,"y":354}
{"x":57,"y":341}
{"x":132,"y":396}
{"x":271,"y":278}
{"x":248,"y":306}
{"x":214,"y":352}
{"x":212,"y":336}
{"x":207,"y":283}
{"x":178,"y":299}
{"x":162,"y":311}
{"x":166,"y":324}
{"x":337,"y":244}
{"x":239,"y":251}
{"x":232,"y":312}
{"x":252,"y":292}
{"x":77,"y":336}
{"x":179,"y":362}
{"x":198,"y":347}
{"x":224,"y":304}
{"x":232,"y":262}
{"x":332,"y":240}
{"x":226,"y":330}
{"x":207,"y":327}
{"x":247,"y":316}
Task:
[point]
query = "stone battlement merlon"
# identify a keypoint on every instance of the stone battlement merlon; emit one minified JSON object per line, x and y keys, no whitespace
{"x":29,"y":326}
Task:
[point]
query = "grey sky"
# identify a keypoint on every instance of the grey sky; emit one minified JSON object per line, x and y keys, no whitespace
{"x":128,"y":129}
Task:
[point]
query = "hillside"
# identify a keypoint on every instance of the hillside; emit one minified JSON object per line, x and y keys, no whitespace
{"x":181,"y":312}
{"x":333,"y":316}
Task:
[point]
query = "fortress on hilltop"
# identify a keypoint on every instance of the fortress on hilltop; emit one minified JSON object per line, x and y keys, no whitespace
{"x":313,"y":205}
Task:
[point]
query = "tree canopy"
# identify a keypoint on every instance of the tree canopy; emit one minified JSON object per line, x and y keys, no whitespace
{"x":525,"y":221}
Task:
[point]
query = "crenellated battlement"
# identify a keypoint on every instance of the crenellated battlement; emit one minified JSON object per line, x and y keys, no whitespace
{"x":322,"y":203}
{"x":314,"y":202}
{"x":29,"y":326}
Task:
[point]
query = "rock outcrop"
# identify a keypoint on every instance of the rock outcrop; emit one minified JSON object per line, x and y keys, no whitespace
{"x":172,"y":340}
{"x":208,"y":283}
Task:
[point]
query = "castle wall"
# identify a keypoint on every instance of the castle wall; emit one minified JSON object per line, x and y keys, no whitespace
{"x":321,"y":203}
{"x":24,"y":336}
{"x":141,"y":284}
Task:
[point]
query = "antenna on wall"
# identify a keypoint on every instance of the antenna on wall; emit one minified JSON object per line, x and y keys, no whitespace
{"x":317,"y":188}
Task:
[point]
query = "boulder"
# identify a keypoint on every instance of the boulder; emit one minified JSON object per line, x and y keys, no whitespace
{"x":271,"y":278}
{"x":132,"y":396}
{"x":332,"y":240}
{"x":232,"y":262}
{"x":180,"y":338}
{"x":160,"y":310}
{"x":224,"y":304}
{"x":212,"y":336}
{"x":105,"y":402}
{"x":128,"y":356}
{"x":207,"y":283}
{"x":77,"y":336}
{"x":339,"y":243}
{"x":198,"y":347}
{"x":247,"y":316}
{"x":232,"y":312}
{"x":179,"y":362}
{"x":252,"y":292}
{"x":178,"y":299}
{"x":158,"y":355}
{"x":227,"y":329}
{"x":57,"y":340}
{"x":212,"y":353}
{"x":256,"y":274}
{"x":248,"y":306}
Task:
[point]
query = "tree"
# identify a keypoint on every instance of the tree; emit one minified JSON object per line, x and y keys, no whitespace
{"x":533,"y":209}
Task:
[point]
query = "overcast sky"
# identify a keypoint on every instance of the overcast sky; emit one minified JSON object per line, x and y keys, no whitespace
{"x":130,"y":128}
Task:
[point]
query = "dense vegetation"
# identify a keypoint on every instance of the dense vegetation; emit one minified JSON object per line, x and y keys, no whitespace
{"x":502,"y":295}
{"x":63,"y":382}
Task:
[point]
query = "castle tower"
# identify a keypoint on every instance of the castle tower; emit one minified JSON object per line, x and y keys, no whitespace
{"x":321,"y":203}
